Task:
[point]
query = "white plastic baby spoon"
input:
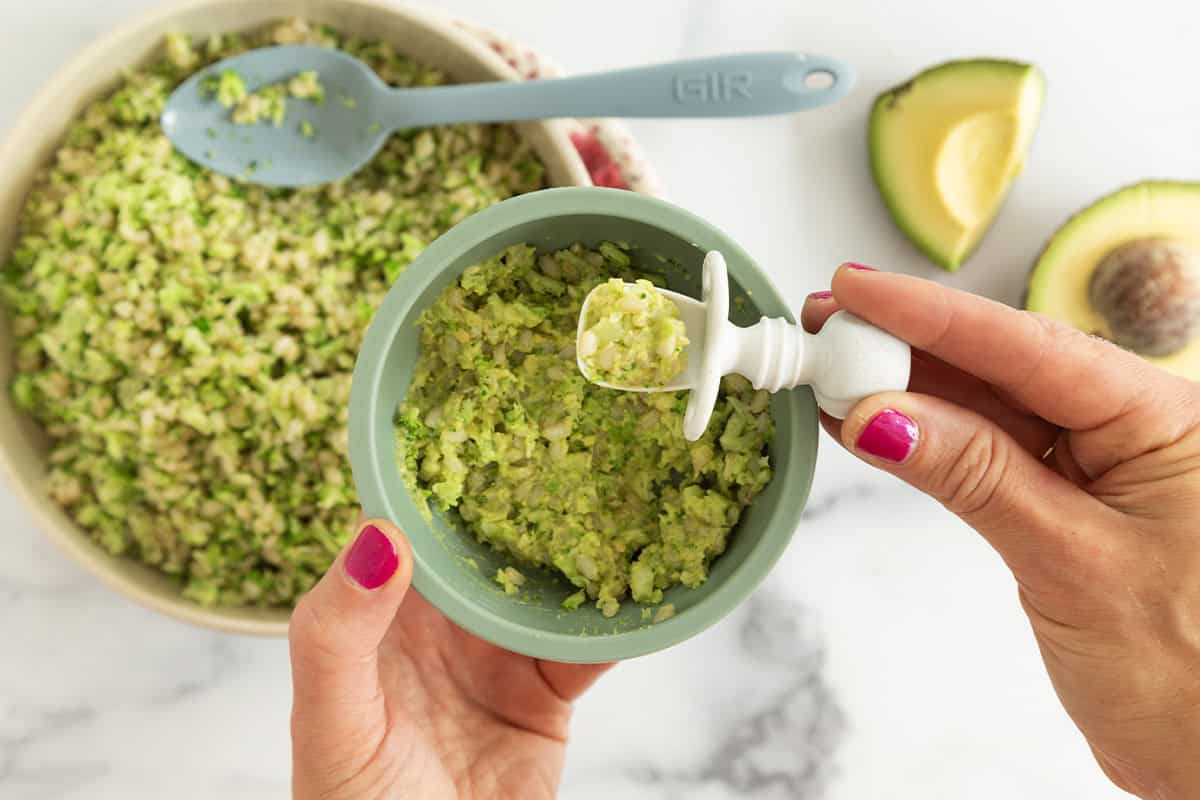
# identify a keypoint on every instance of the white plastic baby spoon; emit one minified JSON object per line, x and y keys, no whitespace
{"x":847,"y":361}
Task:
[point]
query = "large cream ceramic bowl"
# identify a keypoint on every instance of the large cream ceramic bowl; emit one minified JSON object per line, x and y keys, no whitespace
{"x":419,"y":33}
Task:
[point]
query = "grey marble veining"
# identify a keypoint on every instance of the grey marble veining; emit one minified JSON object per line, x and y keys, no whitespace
{"x":777,"y":740}
{"x":786,"y":747}
{"x":221,"y":664}
{"x":824,"y":504}
{"x":24,"y":724}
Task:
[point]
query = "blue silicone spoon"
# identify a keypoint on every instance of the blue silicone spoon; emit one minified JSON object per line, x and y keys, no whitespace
{"x":319,"y":143}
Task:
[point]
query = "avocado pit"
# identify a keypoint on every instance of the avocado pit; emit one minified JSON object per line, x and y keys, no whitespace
{"x":1148,"y":292}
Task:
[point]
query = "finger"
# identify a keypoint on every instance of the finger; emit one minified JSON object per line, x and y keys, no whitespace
{"x":832,"y":426}
{"x":1011,"y":400}
{"x":935,"y":377}
{"x":336,"y":628}
{"x":1064,"y":460}
{"x":569,"y":681}
{"x":818,"y":307}
{"x":1070,"y":379}
{"x":979,"y":472}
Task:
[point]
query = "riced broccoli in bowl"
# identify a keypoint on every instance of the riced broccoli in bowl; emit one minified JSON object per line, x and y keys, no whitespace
{"x":500,"y":427}
{"x":187,"y":341}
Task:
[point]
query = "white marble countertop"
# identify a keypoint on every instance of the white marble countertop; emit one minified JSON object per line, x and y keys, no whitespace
{"x":886,"y":656}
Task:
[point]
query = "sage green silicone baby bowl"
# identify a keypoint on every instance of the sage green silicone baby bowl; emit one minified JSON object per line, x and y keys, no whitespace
{"x":454,"y":571}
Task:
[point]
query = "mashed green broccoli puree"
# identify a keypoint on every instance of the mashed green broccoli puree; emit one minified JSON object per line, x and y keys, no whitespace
{"x":597,"y":484}
{"x":632,"y":336}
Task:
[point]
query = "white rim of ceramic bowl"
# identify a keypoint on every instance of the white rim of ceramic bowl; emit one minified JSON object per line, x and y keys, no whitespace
{"x":67,"y":536}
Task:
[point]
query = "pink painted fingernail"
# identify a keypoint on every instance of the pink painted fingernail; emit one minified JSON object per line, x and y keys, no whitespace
{"x":889,"y":435}
{"x":372,"y":558}
{"x":860,"y":267}
{"x":821,"y":296}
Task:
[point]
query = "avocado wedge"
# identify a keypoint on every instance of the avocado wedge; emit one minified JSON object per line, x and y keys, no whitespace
{"x":946,"y":146}
{"x":1128,"y":268}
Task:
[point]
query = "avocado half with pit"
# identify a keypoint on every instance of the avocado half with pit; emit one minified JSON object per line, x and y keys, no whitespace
{"x":1128,"y":268}
{"x":946,"y":146}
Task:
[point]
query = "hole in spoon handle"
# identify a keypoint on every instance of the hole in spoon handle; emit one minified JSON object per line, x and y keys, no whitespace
{"x":818,"y":80}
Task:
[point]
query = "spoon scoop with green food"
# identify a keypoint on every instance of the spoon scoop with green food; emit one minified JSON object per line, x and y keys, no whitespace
{"x":301,"y":115}
{"x":623,"y":338}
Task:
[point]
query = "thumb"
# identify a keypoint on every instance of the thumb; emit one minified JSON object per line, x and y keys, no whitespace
{"x":336,"y":628}
{"x":979,"y":472}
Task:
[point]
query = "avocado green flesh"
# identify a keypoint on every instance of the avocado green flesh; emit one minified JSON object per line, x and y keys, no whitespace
{"x":946,"y":146}
{"x":1058,"y":284}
